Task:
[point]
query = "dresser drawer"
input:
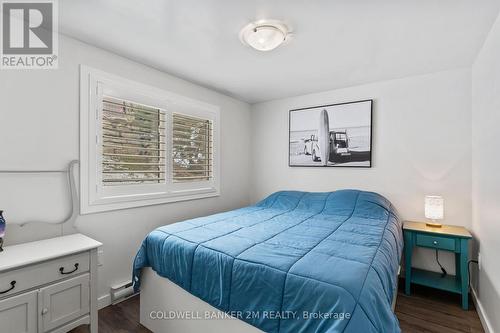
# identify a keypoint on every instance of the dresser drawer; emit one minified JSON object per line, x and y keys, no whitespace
{"x":436,"y":242}
{"x":12,"y":282}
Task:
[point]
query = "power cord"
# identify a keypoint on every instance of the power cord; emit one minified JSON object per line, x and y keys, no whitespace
{"x":444,"y":270}
{"x":440,"y":266}
{"x":468,"y":268}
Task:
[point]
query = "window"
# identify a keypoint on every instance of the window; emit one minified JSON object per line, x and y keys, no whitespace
{"x":140,"y":145}
{"x":133,"y":143}
{"x":192,"y":148}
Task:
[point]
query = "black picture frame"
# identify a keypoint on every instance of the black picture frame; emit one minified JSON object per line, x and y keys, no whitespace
{"x":367,"y":155}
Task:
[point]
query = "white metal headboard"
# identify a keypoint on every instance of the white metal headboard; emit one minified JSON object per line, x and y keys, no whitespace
{"x":73,"y":212}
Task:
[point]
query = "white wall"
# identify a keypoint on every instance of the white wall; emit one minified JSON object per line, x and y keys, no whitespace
{"x":486,"y":176}
{"x":39,"y":129}
{"x":421,"y":145}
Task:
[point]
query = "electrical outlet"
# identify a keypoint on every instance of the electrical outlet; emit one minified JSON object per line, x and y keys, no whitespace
{"x":100,"y":257}
{"x":479,"y":263}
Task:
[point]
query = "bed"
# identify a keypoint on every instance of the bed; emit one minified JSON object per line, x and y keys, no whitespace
{"x":294,"y":262}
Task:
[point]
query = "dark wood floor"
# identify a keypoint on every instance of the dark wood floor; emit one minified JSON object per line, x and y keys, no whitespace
{"x":425,"y":311}
{"x":430,"y":310}
{"x":120,"y":318}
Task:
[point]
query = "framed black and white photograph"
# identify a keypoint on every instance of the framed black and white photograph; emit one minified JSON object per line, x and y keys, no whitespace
{"x":336,"y":135}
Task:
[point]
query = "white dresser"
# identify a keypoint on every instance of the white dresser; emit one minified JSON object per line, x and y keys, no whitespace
{"x":49,"y":285}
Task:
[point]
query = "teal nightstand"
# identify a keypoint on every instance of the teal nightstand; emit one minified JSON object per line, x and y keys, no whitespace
{"x":447,"y":238}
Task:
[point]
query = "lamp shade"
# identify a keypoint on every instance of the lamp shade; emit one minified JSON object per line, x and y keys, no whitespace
{"x":434,"y":207}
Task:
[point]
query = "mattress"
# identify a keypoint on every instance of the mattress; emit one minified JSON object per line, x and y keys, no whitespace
{"x":294,"y":262}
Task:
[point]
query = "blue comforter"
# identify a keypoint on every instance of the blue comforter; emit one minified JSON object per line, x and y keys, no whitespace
{"x":294,"y":262}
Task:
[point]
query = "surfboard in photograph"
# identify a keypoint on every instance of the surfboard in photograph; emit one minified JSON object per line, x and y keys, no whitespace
{"x":324,"y":137}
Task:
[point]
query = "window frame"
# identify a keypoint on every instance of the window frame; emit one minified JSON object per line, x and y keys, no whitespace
{"x":94,"y":196}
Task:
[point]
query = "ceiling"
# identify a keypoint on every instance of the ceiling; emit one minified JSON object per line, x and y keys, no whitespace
{"x":336,"y":43}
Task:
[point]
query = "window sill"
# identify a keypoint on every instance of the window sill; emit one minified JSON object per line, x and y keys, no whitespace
{"x":87,"y":208}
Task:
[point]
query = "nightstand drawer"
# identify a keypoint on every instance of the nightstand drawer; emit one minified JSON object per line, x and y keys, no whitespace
{"x":442,"y":243}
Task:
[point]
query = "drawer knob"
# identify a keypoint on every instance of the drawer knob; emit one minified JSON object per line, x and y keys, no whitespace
{"x":61,"y":269}
{"x":44,"y":311}
{"x":435,"y":242}
{"x":12,"y":286}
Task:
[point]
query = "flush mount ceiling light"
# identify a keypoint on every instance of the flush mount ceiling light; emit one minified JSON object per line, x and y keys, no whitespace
{"x":265,"y":35}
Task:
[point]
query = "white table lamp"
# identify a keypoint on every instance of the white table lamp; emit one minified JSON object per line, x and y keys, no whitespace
{"x":434,"y":210}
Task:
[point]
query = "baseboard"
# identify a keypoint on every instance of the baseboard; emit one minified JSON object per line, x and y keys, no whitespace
{"x":480,"y":311}
{"x":103,"y":301}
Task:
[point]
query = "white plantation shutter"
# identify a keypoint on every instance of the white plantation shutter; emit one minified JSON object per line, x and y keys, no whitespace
{"x":192,"y":148}
{"x":141,"y":145}
{"x":133,"y":143}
